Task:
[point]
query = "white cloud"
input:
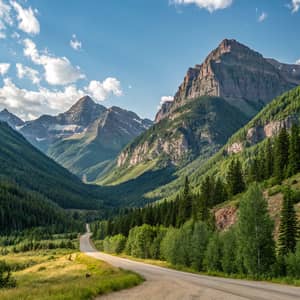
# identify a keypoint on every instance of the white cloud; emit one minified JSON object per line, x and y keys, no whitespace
{"x":30,"y":104}
{"x":295,"y":5}
{"x":165,"y":99}
{"x":298,"y":62}
{"x":263,"y":16}
{"x":27,"y":72}
{"x":4,"y":67}
{"x":27,"y":19}
{"x":58,"y":70}
{"x":5,"y":18}
{"x":210,"y":5}
{"x":101,"y":90}
{"x":75,"y":43}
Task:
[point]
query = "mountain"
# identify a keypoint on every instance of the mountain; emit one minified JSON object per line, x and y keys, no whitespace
{"x":28,"y":168}
{"x":239,"y":75}
{"x":90,"y":153}
{"x":244,"y":144}
{"x":195,"y":129}
{"x":11,"y":119}
{"x":215,"y":99}
{"x":87,"y":137}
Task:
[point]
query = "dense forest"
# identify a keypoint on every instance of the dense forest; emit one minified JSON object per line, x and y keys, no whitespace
{"x":183,"y":231}
{"x":24,"y":165}
{"x":21,"y":209}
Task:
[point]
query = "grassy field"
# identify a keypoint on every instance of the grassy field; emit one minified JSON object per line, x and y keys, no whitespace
{"x":61,"y":275}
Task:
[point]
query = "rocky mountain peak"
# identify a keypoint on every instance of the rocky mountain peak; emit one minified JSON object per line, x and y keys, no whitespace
{"x":12,"y":120}
{"x":238,"y":74}
{"x":83,"y":112}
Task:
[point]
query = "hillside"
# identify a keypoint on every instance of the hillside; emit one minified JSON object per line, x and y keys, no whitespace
{"x":245,"y":143}
{"x":30,"y":169}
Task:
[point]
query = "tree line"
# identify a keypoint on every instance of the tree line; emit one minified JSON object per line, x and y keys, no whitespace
{"x":247,"y":248}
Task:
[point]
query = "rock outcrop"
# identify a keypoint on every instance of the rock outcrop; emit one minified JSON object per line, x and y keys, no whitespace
{"x":258,"y":133}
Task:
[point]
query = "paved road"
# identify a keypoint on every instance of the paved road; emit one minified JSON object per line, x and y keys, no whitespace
{"x":167,"y":284}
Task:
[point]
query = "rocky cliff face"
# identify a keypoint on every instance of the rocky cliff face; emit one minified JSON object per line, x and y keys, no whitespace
{"x":239,"y":75}
{"x":260,"y":132}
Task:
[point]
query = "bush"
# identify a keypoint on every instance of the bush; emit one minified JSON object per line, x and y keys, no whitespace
{"x":140,"y":240}
{"x":114,"y":244}
{"x":5,"y":276}
{"x":293,"y":263}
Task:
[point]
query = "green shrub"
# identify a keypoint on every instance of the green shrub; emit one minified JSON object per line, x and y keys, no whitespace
{"x":6,"y":279}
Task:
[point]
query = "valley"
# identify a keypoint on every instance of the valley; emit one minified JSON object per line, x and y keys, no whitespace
{"x":160,"y":180}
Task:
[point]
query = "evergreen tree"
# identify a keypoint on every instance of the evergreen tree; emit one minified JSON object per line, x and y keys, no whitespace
{"x":235,"y":178}
{"x":288,"y":225}
{"x":185,"y":204}
{"x":268,"y":159}
{"x":220,"y":194}
{"x":294,"y":151}
{"x":281,"y":155}
{"x":255,"y":232}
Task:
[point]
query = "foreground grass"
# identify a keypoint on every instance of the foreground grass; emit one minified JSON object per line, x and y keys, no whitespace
{"x":61,"y":275}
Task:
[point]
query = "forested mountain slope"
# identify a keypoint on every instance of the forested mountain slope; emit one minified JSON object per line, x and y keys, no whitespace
{"x":24,"y":165}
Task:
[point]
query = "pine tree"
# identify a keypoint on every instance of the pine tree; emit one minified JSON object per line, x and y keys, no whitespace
{"x":220,"y":194}
{"x":203,"y":211}
{"x":288,"y":225}
{"x":255,"y":233}
{"x":281,"y":155}
{"x":268,"y":160}
{"x":235,"y":178}
{"x":294,"y":151}
{"x":185,"y":204}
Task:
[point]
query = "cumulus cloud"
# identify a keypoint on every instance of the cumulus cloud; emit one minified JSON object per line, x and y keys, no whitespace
{"x":27,"y":72}
{"x":4,"y":67}
{"x":298,"y":62}
{"x":210,"y":5}
{"x":101,"y":90}
{"x":263,"y":16}
{"x":27,"y":19}
{"x":5,"y":18}
{"x":295,"y":5}
{"x":30,"y":104}
{"x":75,"y":43}
{"x":58,"y":70}
{"x":165,"y":99}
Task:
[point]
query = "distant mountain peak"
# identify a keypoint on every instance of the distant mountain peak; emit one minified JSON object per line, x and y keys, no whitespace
{"x":11,"y":119}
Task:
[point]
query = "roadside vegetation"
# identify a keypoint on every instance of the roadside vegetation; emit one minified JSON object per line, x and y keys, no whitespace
{"x":183,"y":232}
{"x":38,"y":266}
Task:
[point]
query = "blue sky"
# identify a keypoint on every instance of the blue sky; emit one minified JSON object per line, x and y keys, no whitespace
{"x":128,"y":53}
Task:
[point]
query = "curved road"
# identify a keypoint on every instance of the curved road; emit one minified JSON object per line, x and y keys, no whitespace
{"x":168,"y":284}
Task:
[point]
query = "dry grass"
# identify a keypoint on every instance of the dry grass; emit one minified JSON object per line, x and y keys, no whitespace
{"x":63,"y":277}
